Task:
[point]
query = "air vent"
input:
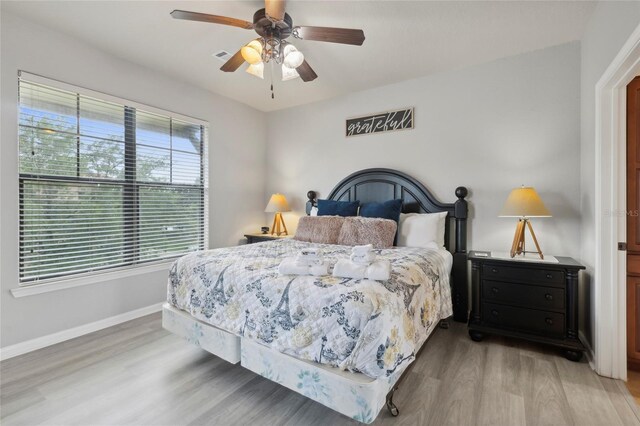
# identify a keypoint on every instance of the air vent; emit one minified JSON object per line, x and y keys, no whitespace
{"x":223,"y":55}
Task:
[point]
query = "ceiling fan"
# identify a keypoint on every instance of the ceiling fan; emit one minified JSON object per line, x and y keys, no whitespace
{"x":274,"y":26}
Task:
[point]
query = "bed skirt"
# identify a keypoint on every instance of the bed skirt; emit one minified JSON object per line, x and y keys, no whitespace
{"x":353,"y":394}
{"x":210,"y":338}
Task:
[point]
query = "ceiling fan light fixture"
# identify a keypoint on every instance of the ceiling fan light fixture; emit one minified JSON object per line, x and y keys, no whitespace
{"x":256,"y":69}
{"x":273,"y":26}
{"x":293,"y":58}
{"x":252,"y":52}
{"x":289,"y":73}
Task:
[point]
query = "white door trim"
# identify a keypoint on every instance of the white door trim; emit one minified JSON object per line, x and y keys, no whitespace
{"x":610,"y":341}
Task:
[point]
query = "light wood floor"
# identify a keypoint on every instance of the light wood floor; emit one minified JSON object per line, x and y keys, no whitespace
{"x":633,"y":384}
{"x":137,"y":373}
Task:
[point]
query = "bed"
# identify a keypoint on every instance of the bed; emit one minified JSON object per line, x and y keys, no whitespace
{"x":342,"y":342}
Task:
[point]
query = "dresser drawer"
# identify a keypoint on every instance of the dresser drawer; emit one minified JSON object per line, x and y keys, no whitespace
{"x":538,"y":276}
{"x":527,"y":296}
{"x":539,"y":322}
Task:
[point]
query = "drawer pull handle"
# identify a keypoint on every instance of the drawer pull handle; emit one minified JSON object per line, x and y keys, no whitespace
{"x":494,"y":270}
{"x":549,"y":276}
{"x":548,"y":321}
{"x":494,"y":290}
{"x":548,"y":296}
{"x":494,"y":313}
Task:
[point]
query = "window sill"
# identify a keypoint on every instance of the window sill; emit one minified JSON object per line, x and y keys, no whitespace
{"x":62,"y":284}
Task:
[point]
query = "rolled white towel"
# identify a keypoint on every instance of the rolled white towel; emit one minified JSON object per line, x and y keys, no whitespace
{"x":309,"y":260}
{"x":344,"y":268}
{"x":288,"y":266}
{"x":363,"y":259}
{"x":311,"y":251}
{"x":362,"y":249}
{"x":380,"y":270}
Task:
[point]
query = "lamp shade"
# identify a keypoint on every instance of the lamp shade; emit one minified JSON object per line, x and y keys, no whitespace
{"x":252,"y":52}
{"x":277,"y":203}
{"x":289,"y":73}
{"x":256,"y":69}
{"x":293,"y":58}
{"x":524,"y":202}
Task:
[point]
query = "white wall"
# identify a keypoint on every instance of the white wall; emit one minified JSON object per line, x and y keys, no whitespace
{"x":236,"y":164}
{"x":609,"y":27}
{"x":490,"y":127}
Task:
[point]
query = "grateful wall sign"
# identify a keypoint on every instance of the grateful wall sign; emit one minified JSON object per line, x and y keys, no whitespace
{"x":389,"y":121}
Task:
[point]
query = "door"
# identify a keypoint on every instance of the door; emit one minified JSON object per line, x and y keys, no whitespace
{"x":633,"y":225}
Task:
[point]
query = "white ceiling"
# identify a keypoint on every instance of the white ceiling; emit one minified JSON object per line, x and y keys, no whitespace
{"x":404,"y":40}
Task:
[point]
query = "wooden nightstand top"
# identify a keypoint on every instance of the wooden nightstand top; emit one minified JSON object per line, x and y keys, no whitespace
{"x":260,"y":237}
{"x":563,"y":261}
{"x":267,"y":236}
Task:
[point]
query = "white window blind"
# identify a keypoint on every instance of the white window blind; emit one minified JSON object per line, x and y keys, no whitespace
{"x":105,"y":183}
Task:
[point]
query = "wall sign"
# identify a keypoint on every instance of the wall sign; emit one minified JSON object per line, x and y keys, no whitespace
{"x":383,"y":122}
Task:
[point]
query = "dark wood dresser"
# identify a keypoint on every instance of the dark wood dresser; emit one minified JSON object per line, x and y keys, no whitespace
{"x":537,"y":301}
{"x":258,"y":238}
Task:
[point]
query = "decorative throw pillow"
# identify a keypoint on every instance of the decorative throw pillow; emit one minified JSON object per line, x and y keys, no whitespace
{"x":360,"y":230}
{"x":319,"y":229}
{"x":388,"y":210}
{"x":337,"y":208}
{"x":422,"y":230}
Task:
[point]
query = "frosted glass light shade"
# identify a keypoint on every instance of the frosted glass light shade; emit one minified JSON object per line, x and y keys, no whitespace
{"x":293,"y":58}
{"x":252,"y":52}
{"x":257,"y":70}
{"x":289,"y":73}
{"x":524,"y":202}
{"x":277,"y":203}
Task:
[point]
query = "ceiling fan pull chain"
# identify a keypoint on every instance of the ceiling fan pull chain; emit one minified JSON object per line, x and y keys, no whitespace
{"x":272,"y":94}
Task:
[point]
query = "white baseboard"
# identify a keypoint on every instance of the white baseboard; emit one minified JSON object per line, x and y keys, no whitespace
{"x":61,"y":336}
{"x":589,"y":351}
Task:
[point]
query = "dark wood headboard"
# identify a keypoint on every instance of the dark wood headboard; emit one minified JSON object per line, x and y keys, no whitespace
{"x":378,"y":185}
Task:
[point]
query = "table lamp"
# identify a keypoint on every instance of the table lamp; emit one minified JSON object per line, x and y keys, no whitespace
{"x":524,"y":203}
{"x":278,"y":204}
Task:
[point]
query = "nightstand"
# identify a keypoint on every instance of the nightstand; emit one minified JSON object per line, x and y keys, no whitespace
{"x":258,"y":238}
{"x":532,"y":300}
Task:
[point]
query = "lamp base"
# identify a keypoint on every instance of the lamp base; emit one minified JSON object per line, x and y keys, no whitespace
{"x":518,"y":246}
{"x":276,"y":228}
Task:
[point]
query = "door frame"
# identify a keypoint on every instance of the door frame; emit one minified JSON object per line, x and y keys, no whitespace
{"x":610,"y":306}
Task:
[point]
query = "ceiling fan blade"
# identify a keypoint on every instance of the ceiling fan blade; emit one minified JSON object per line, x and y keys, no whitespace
{"x":234,"y":63}
{"x":275,"y":9}
{"x":306,"y":72}
{"x":331,"y":35}
{"x":213,"y":19}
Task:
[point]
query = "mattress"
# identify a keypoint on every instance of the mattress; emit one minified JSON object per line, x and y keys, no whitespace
{"x":362,"y":326}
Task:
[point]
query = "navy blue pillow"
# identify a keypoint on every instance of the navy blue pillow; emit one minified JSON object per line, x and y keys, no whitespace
{"x":388,"y":210}
{"x":337,"y":208}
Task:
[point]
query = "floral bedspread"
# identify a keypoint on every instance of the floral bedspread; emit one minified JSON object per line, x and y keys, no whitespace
{"x":359,"y":325}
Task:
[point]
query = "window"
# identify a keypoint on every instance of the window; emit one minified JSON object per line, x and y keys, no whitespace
{"x":104,"y":182}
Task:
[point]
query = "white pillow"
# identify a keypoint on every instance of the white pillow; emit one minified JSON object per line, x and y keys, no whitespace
{"x":421,"y":230}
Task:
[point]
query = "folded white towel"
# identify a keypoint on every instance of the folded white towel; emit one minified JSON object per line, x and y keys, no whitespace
{"x":380,"y":270}
{"x":309,"y":260}
{"x":345,"y":268}
{"x":377,"y":271}
{"x":363,"y":259}
{"x":288,"y":266}
{"x":362,"y":249}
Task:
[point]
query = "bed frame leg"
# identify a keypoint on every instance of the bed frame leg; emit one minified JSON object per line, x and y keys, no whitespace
{"x":390,"y":405}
